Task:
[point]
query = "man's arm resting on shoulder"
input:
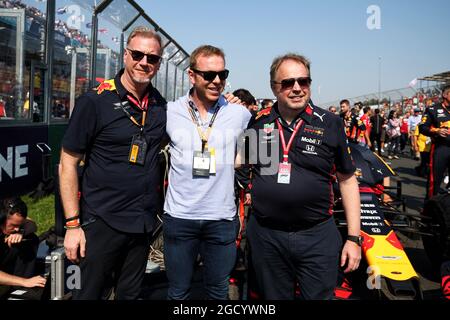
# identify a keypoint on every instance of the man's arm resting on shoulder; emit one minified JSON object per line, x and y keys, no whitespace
{"x":351,"y":252}
{"x":11,"y":280}
{"x":68,"y":184}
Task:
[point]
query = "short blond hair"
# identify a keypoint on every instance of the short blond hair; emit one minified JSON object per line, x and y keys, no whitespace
{"x":145,"y":32}
{"x":205,"y":50}
{"x":289,"y":56}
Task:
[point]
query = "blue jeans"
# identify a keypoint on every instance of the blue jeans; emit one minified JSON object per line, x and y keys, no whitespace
{"x":184,"y":240}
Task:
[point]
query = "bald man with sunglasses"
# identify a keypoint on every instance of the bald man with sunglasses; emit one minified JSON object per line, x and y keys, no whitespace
{"x":200,"y":211}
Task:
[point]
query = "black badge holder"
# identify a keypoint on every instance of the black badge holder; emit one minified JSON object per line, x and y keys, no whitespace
{"x":138,"y":149}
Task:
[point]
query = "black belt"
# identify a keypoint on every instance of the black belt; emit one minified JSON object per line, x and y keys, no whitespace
{"x":304,"y":225}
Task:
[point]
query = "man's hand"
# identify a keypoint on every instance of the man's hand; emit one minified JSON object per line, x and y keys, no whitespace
{"x":443,"y":132}
{"x":14,"y":238}
{"x":37,"y":281}
{"x":248,"y":199}
{"x":231,"y":98}
{"x":351,"y":254}
{"x":74,"y":241}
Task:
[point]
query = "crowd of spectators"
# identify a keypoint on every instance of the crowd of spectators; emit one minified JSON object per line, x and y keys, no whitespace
{"x":393,"y":126}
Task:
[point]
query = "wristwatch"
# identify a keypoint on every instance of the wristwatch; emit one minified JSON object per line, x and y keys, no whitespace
{"x":356,"y":239}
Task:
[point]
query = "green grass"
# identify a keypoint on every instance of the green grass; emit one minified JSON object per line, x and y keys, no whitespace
{"x":42,"y":212}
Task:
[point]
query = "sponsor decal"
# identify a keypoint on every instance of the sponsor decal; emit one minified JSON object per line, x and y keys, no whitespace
{"x":376,"y":230}
{"x":263,"y":112}
{"x":319,"y":115}
{"x":106,"y":85}
{"x":268,"y":127}
{"x":117,"y":105}
{"x":391,"y":258}
{"x":313,"y":130}
{"x":372,"y":224}
{"x":370,"y":212}
{"x":268,"y":137}
{"x":311,"y":140}
{"x":310,"y":148}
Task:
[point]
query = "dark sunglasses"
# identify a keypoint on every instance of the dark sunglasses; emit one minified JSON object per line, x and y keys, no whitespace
{"x":138,"y":55}
{"x":211,"y":75}
{"x":303,"y":82}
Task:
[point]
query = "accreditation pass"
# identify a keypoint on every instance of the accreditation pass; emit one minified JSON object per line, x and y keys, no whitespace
{"x":201,"y":164}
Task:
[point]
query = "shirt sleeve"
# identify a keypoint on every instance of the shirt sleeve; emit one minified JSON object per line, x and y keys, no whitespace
{"x":246,"y":118}
{"x":343,"y":160}
{"x":82,"y":126}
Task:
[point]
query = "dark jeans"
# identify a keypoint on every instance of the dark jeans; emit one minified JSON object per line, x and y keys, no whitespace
{"x":394,"y":146}
{"x":216,"y":243}
{"x":309,"y":257}
{"x":113,"y":258}
{"x":403,"y":141}
{"x":422,"y":170}
{"x":376,"y":138}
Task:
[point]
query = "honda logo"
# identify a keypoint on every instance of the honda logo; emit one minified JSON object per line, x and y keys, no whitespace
{"x":310,"y":148}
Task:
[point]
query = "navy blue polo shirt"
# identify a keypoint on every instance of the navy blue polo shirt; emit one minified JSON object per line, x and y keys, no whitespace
{"x":124,"y":195}
{"x":319,"y":150}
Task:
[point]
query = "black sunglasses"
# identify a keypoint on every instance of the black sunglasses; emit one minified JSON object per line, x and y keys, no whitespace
{"x":211,"y":75}
{"x":303,"y":82}
{"x":138,"y":55}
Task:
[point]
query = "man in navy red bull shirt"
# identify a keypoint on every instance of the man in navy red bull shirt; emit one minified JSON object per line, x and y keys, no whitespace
{"x":292,"y":235}
{"x":436,"y":124}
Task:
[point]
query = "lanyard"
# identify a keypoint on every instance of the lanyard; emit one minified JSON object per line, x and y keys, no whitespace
{"x":143,"y":106}
{"x":283,"y":141}
{"x":203,"y":136}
